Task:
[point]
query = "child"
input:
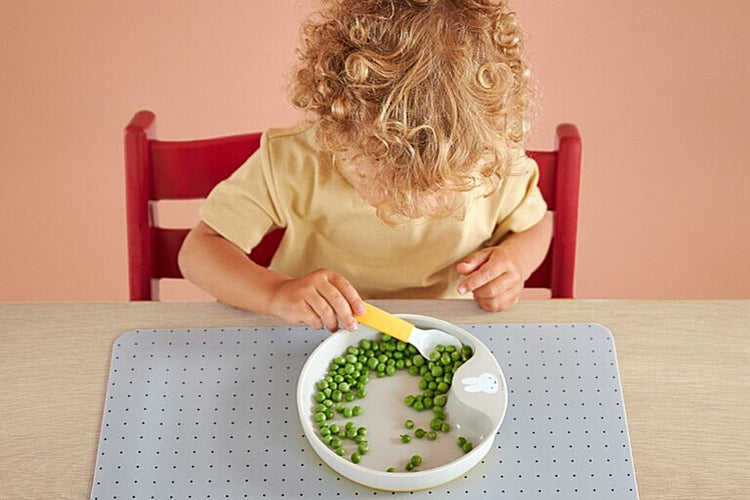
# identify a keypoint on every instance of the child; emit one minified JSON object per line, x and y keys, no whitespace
{"x":408,"y":180}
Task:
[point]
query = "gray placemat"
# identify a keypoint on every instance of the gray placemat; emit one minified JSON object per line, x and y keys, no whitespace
{"x":211,"y":414}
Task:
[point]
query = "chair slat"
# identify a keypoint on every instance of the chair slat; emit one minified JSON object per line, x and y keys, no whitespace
{"x":190,"y":169}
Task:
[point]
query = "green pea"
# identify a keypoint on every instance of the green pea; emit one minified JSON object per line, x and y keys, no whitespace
{"x":409,"y":466}
{"x":390,"y":370}
{"x":418,"y":405}
{"x":435,"y":424}
{"x":416,"y":460}
{"x":409,"y":400}
{"x":391,"y":469}
{"x":356,"y":411}
{"x":418,"y":360}
{"x":372,"y":363}
{"x":432,"y":435}
{"x":349,"y":425}
{"x":442,"y":387}
{"x":319,"y":397}
{"x":362,"y":431}
{"x":336,"y":442}
{"x":320,"y":416}
{"x":349,"y":397}
{"x":467,"y":447}
{"x":351,"y":433}
{"x":363,"y":447}
{"x":445,"y":427}
{"x":356,"y":458}
{"x":439,"y":400}
{"x":409,"y":424}
{"x":419,"y":433}
{"x":437,"y":371}
{"x":334,"y":428}
{"x":325,"y":431}
{"x":337,"y":395}
{"x":339,"y":451}
{"x":405,"y":438}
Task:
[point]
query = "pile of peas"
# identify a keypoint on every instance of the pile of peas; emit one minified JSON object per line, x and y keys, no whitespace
{"x":347,"y":378}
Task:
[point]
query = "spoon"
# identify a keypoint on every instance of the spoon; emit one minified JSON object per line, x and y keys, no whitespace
{"x":424,"y":340}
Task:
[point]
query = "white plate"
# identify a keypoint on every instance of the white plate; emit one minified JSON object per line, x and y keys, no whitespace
{"x":477,"y":402}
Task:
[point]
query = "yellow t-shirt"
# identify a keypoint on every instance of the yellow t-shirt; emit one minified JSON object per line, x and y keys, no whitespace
{"x":290,"y":183}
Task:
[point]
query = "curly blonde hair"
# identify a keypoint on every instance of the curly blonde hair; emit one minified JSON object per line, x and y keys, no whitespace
{"x":432,"y":94}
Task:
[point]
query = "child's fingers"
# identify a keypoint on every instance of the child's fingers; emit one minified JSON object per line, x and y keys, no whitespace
{"x":473,"y":261}
{"x":504,"y":283}
{"x":353,"y":303}
{"x":485,"y":274}
{"x":310,"y":318}
{"x":323,"y":309}
{"x":338,"y":305}
{"x":500,"y":302}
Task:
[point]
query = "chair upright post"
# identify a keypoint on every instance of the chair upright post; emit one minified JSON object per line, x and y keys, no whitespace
{"x":138,"y":188}
{"x":567,"y":190}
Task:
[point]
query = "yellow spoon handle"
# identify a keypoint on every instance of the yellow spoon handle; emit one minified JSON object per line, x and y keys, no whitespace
{"x":386,"y":323}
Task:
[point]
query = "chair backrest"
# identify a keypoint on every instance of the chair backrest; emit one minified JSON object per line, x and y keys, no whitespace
{"x":179,"y":170}
{"x":559,"y":181}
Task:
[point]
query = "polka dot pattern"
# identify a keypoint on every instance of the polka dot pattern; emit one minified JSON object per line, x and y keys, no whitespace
{"x":211,"y":414}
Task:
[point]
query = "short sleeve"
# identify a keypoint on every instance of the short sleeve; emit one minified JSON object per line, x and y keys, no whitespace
{"x":527,"y":206}
{"x":243,"y":207}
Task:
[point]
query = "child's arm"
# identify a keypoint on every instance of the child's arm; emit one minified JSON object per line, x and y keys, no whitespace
{"x":496,"y":274}
{"x":323,"y":298}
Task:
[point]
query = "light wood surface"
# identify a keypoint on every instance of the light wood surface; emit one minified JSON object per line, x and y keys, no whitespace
{"x":684,"y":367}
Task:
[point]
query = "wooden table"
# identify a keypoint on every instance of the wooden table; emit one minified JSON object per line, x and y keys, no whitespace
{"x":685,"y":368}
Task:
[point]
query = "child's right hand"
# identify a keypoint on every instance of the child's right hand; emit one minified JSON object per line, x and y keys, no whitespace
{"x":320,"y":299}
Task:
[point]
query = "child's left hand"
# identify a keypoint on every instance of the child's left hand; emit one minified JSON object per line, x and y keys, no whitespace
{"x":494,"y":275}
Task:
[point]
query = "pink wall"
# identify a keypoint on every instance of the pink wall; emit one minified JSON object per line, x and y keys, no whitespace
{"x":658,"y":90}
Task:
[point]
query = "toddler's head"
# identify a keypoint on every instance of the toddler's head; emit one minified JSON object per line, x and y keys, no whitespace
{"x":432,"y":96}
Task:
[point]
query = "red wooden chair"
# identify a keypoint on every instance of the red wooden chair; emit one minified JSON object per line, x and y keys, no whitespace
{"x":180,"y":170}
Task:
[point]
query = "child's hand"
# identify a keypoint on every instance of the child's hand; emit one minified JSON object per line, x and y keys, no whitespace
{"x":494,"y":275}
{"x":320,"y":299}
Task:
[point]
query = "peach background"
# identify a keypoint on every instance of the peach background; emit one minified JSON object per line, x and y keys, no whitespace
{"x":658,"y":90}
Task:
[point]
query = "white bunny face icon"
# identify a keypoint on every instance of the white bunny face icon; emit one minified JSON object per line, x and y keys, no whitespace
{"x":486,"y":383}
